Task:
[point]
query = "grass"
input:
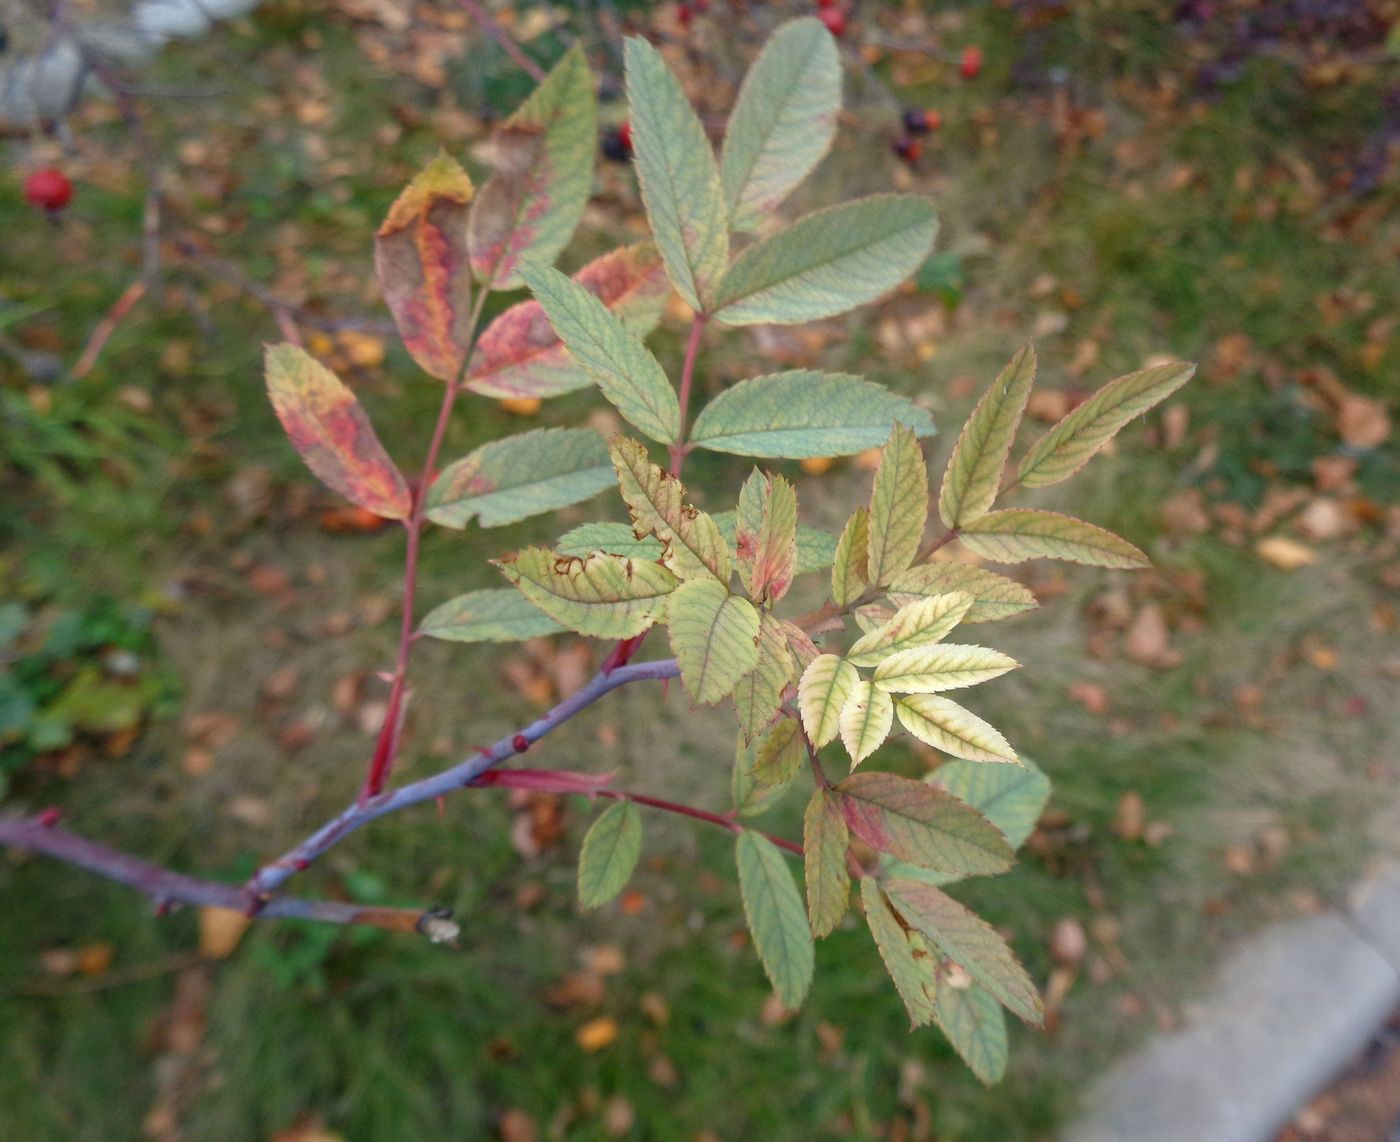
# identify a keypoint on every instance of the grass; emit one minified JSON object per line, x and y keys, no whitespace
{"x":380,"y":1037}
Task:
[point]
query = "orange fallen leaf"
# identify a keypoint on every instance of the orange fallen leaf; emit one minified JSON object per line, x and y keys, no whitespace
{"x":597,"y":1033}
{"x":220,"y":930}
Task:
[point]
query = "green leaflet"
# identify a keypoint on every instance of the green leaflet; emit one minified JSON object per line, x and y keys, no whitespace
{"x":1068,"y":445}
{"x":866,"y":717}
{"x":824,"y":841}
{"x":498,"y":614}
{"x":994,"y":596}
{"x":759,"y":692}
{"x":973,"y":478}
{"x":913,"y":977}
{"x":803,"y":413}
{"x":765,"y":536}
{"x":713,"y":636}
{"x":943,"y":724}
{"x":624,"y":369}
{"x":783,"y":121}
{"x":828,"y":262}
{"x":544,"y":173}
{"x":520,"y":476}
{"x":656,"y":501}
{"x":898,"y":507}
{"x":750,"y":798}
{"x":915,"y":822}
{"x":614,"y":538}
{"x":943,"y":666}
{"x":919,"y":623}
{"x":603,"y":595}
{"x":1018,"y":534}
{"x":777,"y":917}
{"x":814,"y":546}
{"x":520,"y":355}
{"x":848,"y":566}
{"x":778,"y":754}
{"x":968,"y":941}
{"x":1012,"y":797}
{"x":610,"y":851}
{"x":826,"y":684}
{"x":678,"y":176}
{"x":975,"y":1026}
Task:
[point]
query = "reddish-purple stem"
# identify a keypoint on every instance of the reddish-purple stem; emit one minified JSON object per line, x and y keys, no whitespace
{"x":387,"y":747}
{"x":720,"y":819}
{"x":488,"y":25}
{"x":692,"y":353}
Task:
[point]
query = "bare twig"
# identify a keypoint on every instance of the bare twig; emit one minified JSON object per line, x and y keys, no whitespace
{"x":167,"y":888}
{"x":104,"y":329}
{"x":488,"y":24}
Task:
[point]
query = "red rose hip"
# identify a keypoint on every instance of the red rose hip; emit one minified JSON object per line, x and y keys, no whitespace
{"x":48,"y":188}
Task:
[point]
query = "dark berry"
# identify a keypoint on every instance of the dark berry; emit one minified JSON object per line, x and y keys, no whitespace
{"x":908,"y":149}
{"x":971,"y":63}
{"x":48,"y":188}
{"x":617,"y":143}
{"x":684,"y":13}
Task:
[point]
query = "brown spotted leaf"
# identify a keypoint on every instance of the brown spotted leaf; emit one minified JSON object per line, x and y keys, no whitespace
{"x":765,"y":534}
{"x":420,"y":257}
{"x":330,"y":430}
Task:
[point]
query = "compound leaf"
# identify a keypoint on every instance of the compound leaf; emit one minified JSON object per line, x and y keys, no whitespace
{"x":1018,"y":534}
{"x":678,"y":175}
{"x":713,"y":636}
{"x":943,"y":724}
{"x":765,"y":536}
{"x":543,"y":159}
{"x":420,"y":260}
{"x":760,"y":691}
{"x":973,"y":478}
{"x":496,"y":614}
{"x":803,"y":413}
{"x":866,"y":718}
{"x":970,"y":942}
{"x":913,"y":976}
{"x":519,"y":476}
{"x":609,"y":856}
{"x":994,"y":596}
{"x":975,"y":1026}
{"x":828,"y":262}
{"x":826,"y":684}
{"x":614,"y":538}
{"x":606,"y":596}
{"x":898,"y":507}
{"x":777,"y":917}
{"x":624,"y":369}
{"x":1012,"y":797}
{"x":656,"y":501}
{"x":520,"y":355}
{"x":919,"y":623}
{"x":914,"y":822}
{"x":332,"y":433}
{"x":848,"y":566}
{"x":783,"y":121}
{"x":824,"y":841}
{"x":1069,"y":444}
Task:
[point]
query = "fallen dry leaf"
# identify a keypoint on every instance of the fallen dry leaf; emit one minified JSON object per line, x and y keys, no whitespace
{"x":220,"y":930}
{"x":597,"y":1033}
{"x":1362,"y":423}
{"x":1128,"y":817}
{"x":1285,"y":554}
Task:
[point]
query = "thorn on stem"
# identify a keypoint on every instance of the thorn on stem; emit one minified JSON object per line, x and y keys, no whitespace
{"x":520,"y":743}
{"x":301,"y":864}
{"x":49,"y":817}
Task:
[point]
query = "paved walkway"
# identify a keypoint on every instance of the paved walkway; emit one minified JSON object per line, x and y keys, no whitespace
{"x":1291,"y":1005}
